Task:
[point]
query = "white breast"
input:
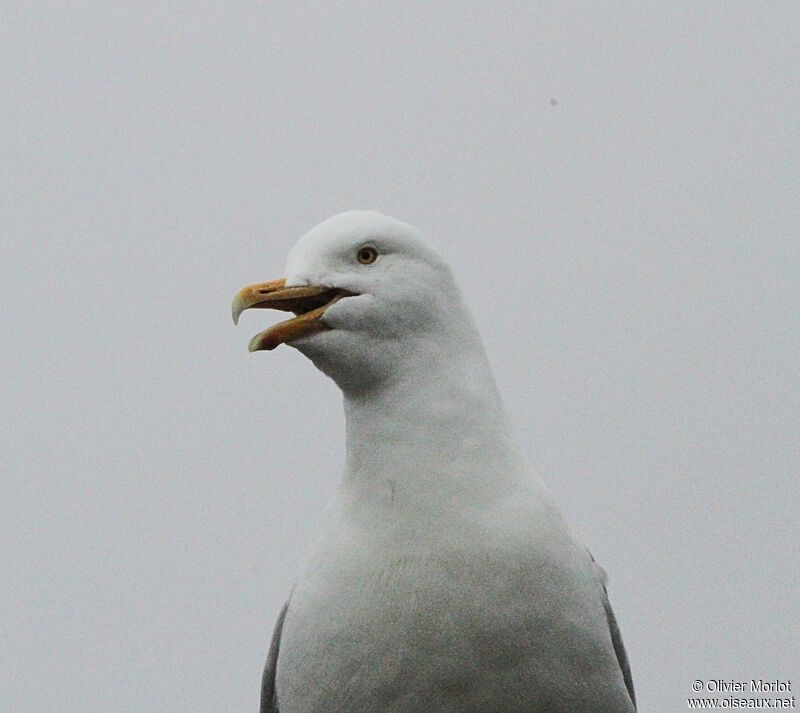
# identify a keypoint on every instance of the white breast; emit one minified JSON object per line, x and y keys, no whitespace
{"x":398,"y":614}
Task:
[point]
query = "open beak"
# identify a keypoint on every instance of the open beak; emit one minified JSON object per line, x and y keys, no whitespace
{"x":307,"y":302}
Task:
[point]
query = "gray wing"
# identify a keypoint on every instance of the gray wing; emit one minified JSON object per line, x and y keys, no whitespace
{"x":619,"y":648}
{"x":616,"y":636}
{"x":269,"y":697}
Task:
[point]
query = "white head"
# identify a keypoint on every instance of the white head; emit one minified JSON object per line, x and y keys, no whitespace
{"x":374,"y":301}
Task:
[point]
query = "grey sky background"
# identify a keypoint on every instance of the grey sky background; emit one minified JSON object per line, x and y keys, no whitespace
{"x":617,"y":188}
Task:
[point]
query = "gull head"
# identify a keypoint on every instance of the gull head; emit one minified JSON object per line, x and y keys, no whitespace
{"x":371,"y":298}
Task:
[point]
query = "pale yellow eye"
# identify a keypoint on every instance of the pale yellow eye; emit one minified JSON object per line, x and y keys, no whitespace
{"x":367,"y":255}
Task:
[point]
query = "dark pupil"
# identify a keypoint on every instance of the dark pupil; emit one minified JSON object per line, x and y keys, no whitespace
{"x":366,"y":254}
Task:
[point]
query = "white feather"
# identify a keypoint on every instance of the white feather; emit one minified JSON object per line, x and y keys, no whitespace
{"x":444,"y":578}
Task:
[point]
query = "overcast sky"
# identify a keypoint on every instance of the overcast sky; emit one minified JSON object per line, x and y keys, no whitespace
{"x":617,"y":189}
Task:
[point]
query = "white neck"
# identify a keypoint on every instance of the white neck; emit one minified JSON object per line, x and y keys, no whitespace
{"x":437,"y":433}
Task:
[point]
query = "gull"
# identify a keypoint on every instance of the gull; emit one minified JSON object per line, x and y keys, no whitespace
{"x":444,"y":578}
